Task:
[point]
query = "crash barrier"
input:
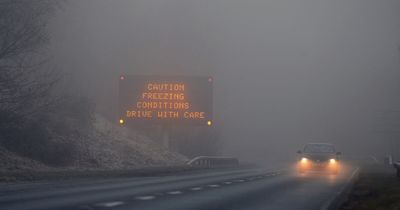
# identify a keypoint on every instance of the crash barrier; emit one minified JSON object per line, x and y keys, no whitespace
{"x":213,"y":161}
{"x":397,"y":166}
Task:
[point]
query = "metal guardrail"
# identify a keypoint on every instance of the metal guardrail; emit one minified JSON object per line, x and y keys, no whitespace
{"x":397,"y":166}
{"x":213,"y":161}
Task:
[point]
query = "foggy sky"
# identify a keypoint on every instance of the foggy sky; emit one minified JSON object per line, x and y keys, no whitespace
{"x":286,"y":71}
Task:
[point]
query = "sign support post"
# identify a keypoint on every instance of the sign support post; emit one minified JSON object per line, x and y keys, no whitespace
{"x":165,"y":137}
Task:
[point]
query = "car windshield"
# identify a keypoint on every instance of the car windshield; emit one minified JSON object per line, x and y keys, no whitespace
{"x":319,"y":148}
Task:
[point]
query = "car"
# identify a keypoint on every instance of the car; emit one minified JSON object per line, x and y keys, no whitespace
{"x":318,"y":157}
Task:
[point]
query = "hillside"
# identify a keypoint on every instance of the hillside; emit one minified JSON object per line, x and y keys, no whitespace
{"x":105,"y":146}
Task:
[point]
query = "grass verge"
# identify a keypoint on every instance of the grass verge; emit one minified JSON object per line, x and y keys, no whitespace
{"x":377,"y":188}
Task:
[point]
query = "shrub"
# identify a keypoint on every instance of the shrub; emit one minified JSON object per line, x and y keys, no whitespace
{"x":30,"y":138}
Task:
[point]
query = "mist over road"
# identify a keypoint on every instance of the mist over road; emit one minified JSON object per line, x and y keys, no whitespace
{"x":113,"y":86}
{"x":255,"y":188}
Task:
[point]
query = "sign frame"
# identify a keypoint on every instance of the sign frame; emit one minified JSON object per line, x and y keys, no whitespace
{"x":165,"y":100}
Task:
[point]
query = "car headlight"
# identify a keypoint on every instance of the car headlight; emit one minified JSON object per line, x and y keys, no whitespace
{"x":303,"y":160}
{"x":332,"y":161}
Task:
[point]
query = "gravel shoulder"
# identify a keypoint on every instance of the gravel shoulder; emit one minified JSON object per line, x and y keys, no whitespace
{"x":66,"y":174}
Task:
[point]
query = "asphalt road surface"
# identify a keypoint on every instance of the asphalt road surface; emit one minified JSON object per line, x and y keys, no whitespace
{"x":255,"y":188}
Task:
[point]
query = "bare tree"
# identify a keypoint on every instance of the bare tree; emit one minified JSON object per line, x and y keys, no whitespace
{"x":25,"y":81}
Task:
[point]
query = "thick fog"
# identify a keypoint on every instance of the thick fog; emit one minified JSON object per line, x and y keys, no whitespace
{"x":286,"y":72}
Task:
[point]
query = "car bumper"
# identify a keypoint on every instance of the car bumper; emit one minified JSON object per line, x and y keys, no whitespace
{"x":310,"y":166}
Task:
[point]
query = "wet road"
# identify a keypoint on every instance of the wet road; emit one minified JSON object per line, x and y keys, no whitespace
{"x":256,"y":188}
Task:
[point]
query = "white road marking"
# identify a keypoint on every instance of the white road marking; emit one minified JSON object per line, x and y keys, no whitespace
{"x":349,"y":181}
{"x":145,"y":198}
{"x":174,"y":192}
{"x":110,"y":204}
{"x":213,"y":185}
{"x":227,"y":182}
{"x":196,"y":188}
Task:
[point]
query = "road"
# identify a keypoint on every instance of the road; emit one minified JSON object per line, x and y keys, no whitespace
{"x":255,"y":188}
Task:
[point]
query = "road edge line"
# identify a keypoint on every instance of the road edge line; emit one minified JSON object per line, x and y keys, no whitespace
{"x":337,"y":200}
